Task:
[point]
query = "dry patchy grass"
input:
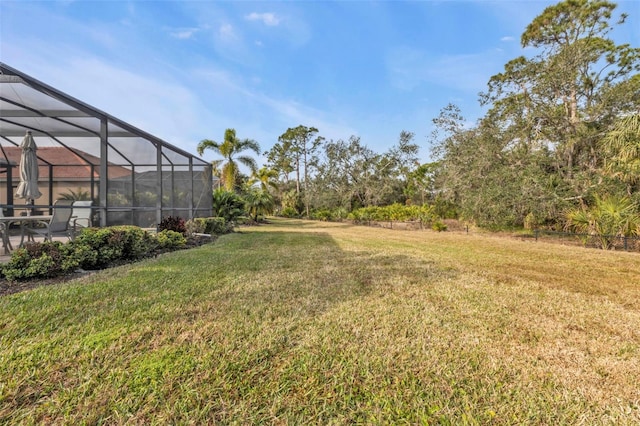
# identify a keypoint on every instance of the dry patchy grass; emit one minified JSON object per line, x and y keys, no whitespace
{"x":306,"y":322}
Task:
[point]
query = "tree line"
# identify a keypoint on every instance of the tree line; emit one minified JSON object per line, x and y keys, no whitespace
{"x":559,"y":146}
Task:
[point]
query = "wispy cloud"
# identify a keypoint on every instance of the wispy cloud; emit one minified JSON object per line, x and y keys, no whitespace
{"x":226,"y":32}
{"x":183,"y":33}
{"x":271,"y":114}
{"x":267,"y":18}
{"x":508,"y":38}
{"x":409,"y":68}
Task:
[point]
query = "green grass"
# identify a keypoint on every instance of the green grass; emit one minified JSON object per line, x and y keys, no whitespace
{"x":307,"y":322}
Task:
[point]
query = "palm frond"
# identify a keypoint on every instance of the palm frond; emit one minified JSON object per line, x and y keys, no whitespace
{"x":207,"y":144}
{"x":249,"y":162}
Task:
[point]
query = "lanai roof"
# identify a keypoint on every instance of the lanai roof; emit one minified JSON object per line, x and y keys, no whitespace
{"x":73,"y":134}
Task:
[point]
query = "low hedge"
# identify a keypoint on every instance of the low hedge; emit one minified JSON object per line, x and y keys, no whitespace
{"x":95,"y":248}
{"x":45,"y":260}
{"x":98,"y":248}
{"x":210,"y":225}
{"x":170,"y":240}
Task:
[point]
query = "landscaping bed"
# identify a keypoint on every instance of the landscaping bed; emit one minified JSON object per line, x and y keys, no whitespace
{"x":13,"y":286}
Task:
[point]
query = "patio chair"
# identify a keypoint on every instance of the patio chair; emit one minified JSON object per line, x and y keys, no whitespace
{"x":81,"y":215}
{"x":59,"y":225}
{"x":4,"y":233}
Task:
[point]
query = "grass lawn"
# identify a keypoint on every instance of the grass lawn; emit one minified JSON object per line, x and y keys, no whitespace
{"x":302,"y":322}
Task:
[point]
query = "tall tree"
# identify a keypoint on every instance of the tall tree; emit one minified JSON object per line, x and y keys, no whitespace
{"x":421,"y":183}
{"x":351,"y":175}
{"x":302,"y":143}
{"x":345,"y":174}
{"x":537,"y":151}
{"x":398,"y":163}
{"x":571,"y":91}
{"x":230,"y":150}
{"x":280,"y":159}
{"x":494,"y":180}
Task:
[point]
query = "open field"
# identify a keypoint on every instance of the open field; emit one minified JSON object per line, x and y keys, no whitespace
{"x":303,"y":322}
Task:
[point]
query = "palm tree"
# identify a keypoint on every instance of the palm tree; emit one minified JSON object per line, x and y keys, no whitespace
{"x":267,"y":178}
{"x":80,"y":195}
{"x":608,"y":219}
{"x":229,"y":150}
{"x":622,"y":144}
{"x":228,"y":205}
{"x":258,"y":203}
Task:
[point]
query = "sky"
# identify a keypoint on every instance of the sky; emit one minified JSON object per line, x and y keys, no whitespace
{"x":187,"y":70}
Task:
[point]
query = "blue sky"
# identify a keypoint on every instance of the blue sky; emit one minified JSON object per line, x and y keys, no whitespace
{"x":185,"y":71}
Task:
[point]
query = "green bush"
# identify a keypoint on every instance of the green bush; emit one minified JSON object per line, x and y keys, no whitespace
{"x":94,"y":248}
{"x":169,"y":240}
{"x":335,"y":215}
{"x":116,"y":243}
{"x":40,"y":260}
{"x":394,"y":212}
{"x":439,"y":226}
{"x":289,"y":212}
{"x":195,"y":226}
{"x":136,"y":242}
{"x":213,"y":225}
{"x":227,"y":204}
{"x":530,"y":222}
{"x":323,"y":214}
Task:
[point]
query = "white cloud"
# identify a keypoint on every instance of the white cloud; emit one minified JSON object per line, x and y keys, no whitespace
{"x":226,"y":32}
{"x":268,"y":18}
{"x":184,"y":33}
{"x":508,"y":38}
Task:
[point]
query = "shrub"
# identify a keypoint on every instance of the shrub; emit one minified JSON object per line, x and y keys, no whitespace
{"x":607,"y":219}
{"x":195,"y":226}
{"x":227,"y":204}
{"x":40,"y":260}
{"x":289,"y":212}
{"x":394,"y":212}
{"x":170,"y":240}
{"x":323,"y":214}
{"x":258,"y":203}
{"x":530,"y":222}
{"x":439,"y":226}
{"x":112,"y":244}
{"x":216,"y":225}
{"x":136,"y":242}
{"x":93,"y":248}
{"x":173,"y":223}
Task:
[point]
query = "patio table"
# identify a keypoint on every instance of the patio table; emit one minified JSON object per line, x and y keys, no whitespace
{"x":6,"y":221}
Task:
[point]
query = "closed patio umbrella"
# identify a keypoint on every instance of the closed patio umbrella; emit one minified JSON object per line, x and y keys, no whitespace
{"x":28,"y":187}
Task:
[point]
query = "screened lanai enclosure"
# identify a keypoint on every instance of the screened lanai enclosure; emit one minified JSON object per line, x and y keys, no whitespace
{"x":131,"y":176}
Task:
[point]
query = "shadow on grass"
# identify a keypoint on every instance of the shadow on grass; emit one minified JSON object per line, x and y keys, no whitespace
{"x":282,"y":273}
